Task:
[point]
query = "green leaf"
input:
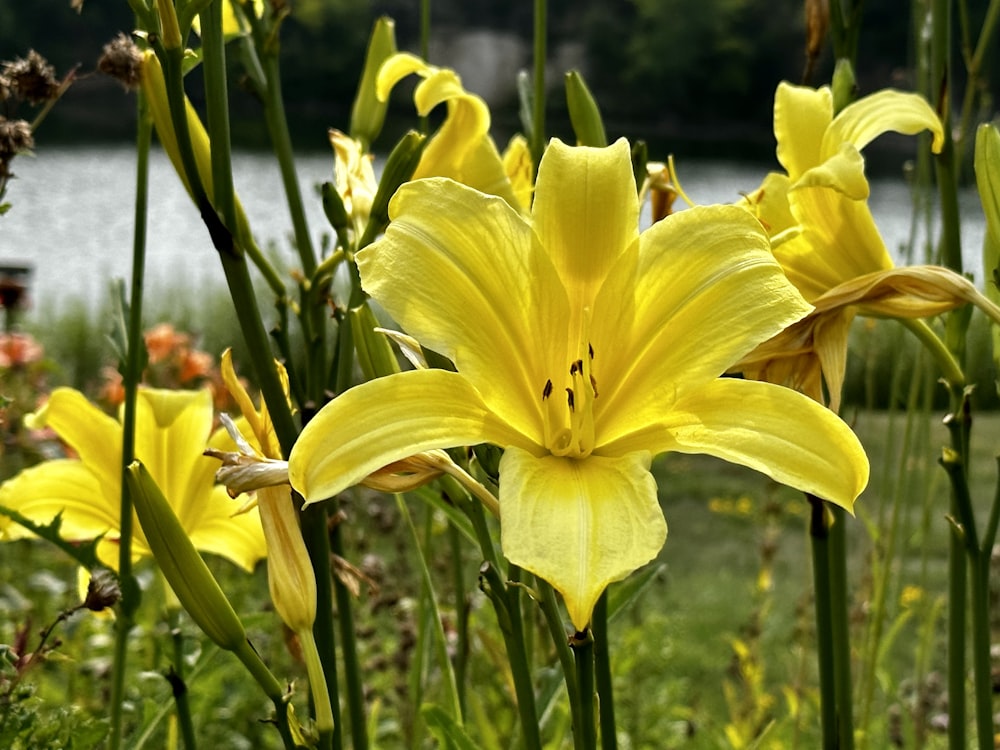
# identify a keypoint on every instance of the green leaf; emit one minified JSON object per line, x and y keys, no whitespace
{"x":446,"y":731}
{"x":84,"y":553}
{"x":622,"y":595}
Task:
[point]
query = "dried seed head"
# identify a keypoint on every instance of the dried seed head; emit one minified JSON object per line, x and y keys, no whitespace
{"x":31,"y":78}
{"x":15,"y":137}
{"x":122,"y":59}
{"x":103,"y":590}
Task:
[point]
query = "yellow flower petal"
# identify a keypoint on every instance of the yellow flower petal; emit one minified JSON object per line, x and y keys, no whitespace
{"x":220,"y":531}
{"x":585,"y":213}
{"x":775,"y":431}
{"x":388,"y":419}
{"x":64,"y":486}
{"x":862,"y":121}
{"x":579,"y":525}
{"x":708,"y":269}
{"x":844,"y":172}
{"x":801,"y":116}
{"x":486,"y":280}
{"x":89,"y":432}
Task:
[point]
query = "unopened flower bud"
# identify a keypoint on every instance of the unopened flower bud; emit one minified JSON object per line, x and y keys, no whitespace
{"x":183,"y":568}
{"x":584,"y":113}
{"x":368,"y":111}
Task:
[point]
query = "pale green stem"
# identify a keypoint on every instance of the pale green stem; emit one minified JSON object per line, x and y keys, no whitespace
{"x":133,"y":374}
{"x":950,"y":369}
{"x":317,"y":684}
{"x":538,"y":101}
{"x":819,"y":529}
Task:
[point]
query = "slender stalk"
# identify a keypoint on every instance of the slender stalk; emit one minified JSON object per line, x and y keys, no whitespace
{"x":132,"y":375}
{"x":840,"y":625}
{"x":602,"y":669}
{"x":461,"y":614}
{"x":819,"y":537}
{"x":520,"y":664}
{"x":550,"y":609}
{"x":538,"y":101}
{"x":179,"y":688}
{"x":583,"y":651}
{"x":317,"y":540}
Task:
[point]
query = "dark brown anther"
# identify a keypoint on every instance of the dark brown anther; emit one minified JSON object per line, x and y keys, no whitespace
{"x":570,"y":399}
{"x":547,"y":390}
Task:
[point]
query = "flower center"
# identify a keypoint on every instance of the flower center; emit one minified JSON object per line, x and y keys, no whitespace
{"x":569,"y":418}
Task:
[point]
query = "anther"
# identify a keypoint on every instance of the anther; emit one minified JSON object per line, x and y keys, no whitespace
{"x":569,"y":398}
{"x":593,"y":385}
{"x":574,"y":367}
{"x":590,"y":350}
{"x":547,"y":390}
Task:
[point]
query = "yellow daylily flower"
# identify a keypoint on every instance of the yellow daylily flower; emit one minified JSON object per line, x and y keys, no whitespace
{"x":826,"y":240}
{"x":172,"y":430}
{"x":583,"y":349}
{"x":462,"y":148}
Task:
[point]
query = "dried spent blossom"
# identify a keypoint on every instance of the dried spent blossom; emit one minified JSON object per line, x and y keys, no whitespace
{"x":32,"y":78}
{"x":103,"y":590}
{"x":15,"y":137}
{"x":121,"y":59}
{"x":4,"y":89}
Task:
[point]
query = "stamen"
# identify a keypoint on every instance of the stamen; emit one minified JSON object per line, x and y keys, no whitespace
{"x":590,"y":350}
{"x":593,"y":384}
{"x":569,"y":398}
{"x":547,"y":390}
{"x":573,"y":368}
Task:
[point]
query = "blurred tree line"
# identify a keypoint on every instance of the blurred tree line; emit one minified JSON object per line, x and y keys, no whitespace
{"x":698,"y":71}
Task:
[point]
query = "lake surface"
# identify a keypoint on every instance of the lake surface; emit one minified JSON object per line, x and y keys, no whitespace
{"x":72,"y":219}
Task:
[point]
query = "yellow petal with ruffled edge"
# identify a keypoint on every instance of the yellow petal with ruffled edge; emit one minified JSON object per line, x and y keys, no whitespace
{"x":388,"y":419}
{"x":864,"y":120}
{"x":801,"y":117}
{"x":775,"y":431}
{"x":579,"y":525}
{"x":462,"y":148}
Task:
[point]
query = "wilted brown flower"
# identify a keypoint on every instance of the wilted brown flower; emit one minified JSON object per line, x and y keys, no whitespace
{"x":122,"y":59}
{"x":15,"y":137}
{"x":103,"y":590}
{"x":31,"y":78}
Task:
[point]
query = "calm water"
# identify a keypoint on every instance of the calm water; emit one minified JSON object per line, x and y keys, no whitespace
{"x":72,"y":218}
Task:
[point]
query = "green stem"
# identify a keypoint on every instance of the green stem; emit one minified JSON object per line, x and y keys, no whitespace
{"x":602,"y":668}
{"x":840,"y":623}
{"x":179,"y":687}
{"x":461,"y":614}
{"x":248,"y":655}
{"x":950,"y":369}
{"x":131,"y":377}
{"x":352,"y":666}
{"x":520,"y":664}
{"x":819,"y":530}
{"x":550,"y":609}
{"x":583,"y":650}
{"x":538,"y":100}
{"x":317,"y":540}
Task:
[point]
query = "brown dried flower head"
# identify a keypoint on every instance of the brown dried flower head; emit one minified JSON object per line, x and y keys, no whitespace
{"x":31,"y":78}
{"x":15,"y":137}
{"x":122,"y":60}
{"x":103,"y":590}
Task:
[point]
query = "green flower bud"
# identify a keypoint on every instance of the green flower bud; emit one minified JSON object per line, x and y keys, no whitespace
{"x":399,"y":168}
{"x":375,"y":354}
{"x":987,"y":166}
{"x":196,"y":589}
{"x":368,"y":113}
{"x":584,"y":113}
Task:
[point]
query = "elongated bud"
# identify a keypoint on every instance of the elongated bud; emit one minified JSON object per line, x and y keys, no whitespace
{"x":184,"y":569}
{"x":399,"y":168}
{"x":375,"y":355}
{"x":584,"y":113}
{"x":845,"y":86}
{"x":170,"y":31}
{"x":368,"y":112}
{"x":987,"y":166}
